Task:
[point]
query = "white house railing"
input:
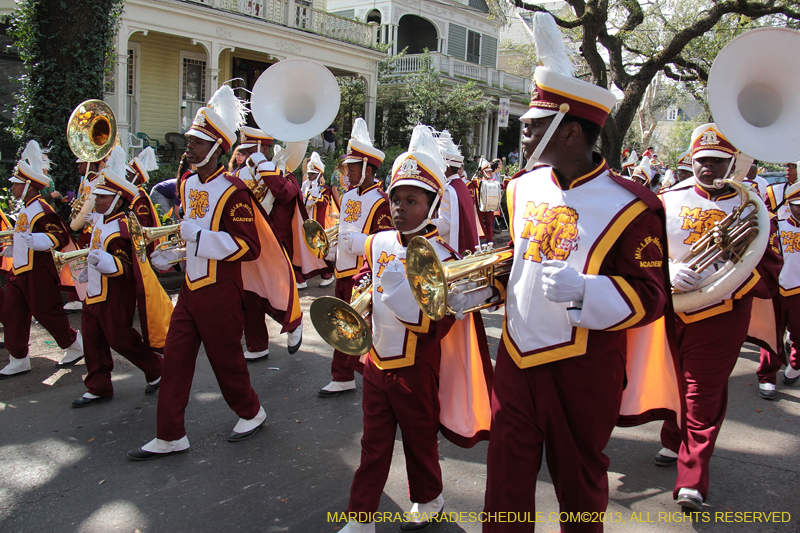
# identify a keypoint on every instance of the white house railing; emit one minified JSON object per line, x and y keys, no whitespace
{"x":457,"y":68}
{"x":296,"y":15}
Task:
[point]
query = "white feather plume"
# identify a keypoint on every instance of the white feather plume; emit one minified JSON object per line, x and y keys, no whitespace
{"x":147,"y":159}
{"x":669,"y":178}
{"x":550,"y":48}
{"x":633,"y":158}
{"x":230,"y":109}
{"x":315,"y":163}
{"x":447,"y":145}
{"x":422,"y":141}
{"x":35,"y":157}
{"x":361,"y":132}
{"x":644,"y":168}
{"x":116,"y":161}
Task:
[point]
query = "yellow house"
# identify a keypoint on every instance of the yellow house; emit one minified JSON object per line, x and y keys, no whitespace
{"x":171,"y":55}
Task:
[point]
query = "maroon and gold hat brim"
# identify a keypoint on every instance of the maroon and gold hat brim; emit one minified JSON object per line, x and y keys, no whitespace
{"x":552,"y":90}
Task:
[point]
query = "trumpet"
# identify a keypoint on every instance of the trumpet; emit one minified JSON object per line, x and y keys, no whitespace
{"x":344,"y":325}
{"x":142,"y":237}
{"x":318,"y":239}
{"x":431,"y":280}
{"x":75,"y":259}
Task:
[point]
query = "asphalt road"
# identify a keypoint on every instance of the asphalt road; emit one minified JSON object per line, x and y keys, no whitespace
{"x":65,"y":470}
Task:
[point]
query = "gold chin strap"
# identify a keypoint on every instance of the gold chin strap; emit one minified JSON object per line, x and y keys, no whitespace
{"x":209,"y":154}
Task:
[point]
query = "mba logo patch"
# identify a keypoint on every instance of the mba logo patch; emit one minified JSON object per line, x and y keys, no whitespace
{"x":198,"y":203}
{"x":384,"y":260}
{"x":790,"y":241}
{"x":95,"y":245}
{"x":22,"y":224}
{"x":552,"y":233}
{"x":352,"y":210}
{"x":697,"y":221}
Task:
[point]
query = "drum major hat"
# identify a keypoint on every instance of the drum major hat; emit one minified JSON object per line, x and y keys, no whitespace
{"x":219,"y":121}
{"x":359,"y":147}
{"x":31,"y":167}
{"x":643,"y":171}
{"x":632,"y":160}
{"x":793,"y":193}
{"x":142,"y":164}
{"x":685,"y":162}
{"x":422,"y":165}
{"x":450,"y":152}
{"x":249,"y":137}
{"x":315,"y":164}
{"x":112,"y":179}
{"x":708,"y":141}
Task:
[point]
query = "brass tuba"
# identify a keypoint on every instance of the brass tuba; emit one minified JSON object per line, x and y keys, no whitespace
{"x":318,"y":239}
{"x":75,"y":259}
{"x":431,"y":280}
{"x":142,"y":237}
{"x":344,"y":325}
{"x":7,"y":237}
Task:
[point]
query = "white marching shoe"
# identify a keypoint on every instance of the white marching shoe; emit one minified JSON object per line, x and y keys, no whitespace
{"x":252,"y":357}
{"x":421,"y":514}
{"x":294,"y":339}
{"x":244,"y":429}
{"x":73,"y":306}
{"x":16,"y":367}
{"x":159,"y":448}
{"x":327,"y":282}
{"x":690,"y":499}
{"x":335,"y":388}
{"x":358,"y":527}
{"x":74,"y":353}
{"x":301,"y":286}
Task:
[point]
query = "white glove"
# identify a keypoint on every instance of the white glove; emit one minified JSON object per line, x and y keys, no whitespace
{"x":189,"y":230}
{"x":83,"y":276}
{"x":38,"y":242}
{"x":161,"y":259}
{"x":459,"y":302}
{"x":393,"y":275}
{"x":94,"y":257}
{"x":684,"y":279}
{"x":8,"y":251}
{"x":561,"y":282}
{"x":331,"y":257}
{"x":255,"y":159}
{"x":354,"y":242}
{"x":87,"y":218}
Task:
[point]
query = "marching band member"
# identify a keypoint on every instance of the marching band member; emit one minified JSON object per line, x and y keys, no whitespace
{"x":90,"y":170}
{"x":407,"y":368}
{"x":630,"y":164}
{"x":320,"y":203}
{"x":485,"y":218}
{"x":364,"y":211}
{"x":708,"y":339}
{"x":786,"y":304}
{"x":230,"y":247}
{"x":137,"y":173}
{"x":114,"y":279}
{"x":456,"y":221}
{"x":776,"y":199}
{"x":587,"y":273}
{"x":32,"y":286}
{"x":283,"y":204}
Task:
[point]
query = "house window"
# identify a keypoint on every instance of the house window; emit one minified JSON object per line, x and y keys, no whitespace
{"x":473,"y":47}
{"x":672,"y":114}
{"x":194,"y":79}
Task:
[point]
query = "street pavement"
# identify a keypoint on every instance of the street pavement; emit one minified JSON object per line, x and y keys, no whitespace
{"x":66,"y":470}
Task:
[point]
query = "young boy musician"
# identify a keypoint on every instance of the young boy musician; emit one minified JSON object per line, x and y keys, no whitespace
{"x":32,"y":287}
{"x":114,"y":277}
{"x":406,"y":364}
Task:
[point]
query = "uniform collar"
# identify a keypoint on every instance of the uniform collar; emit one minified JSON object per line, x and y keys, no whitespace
{"x":598,"y":170}
{"x":793,"y":222}
{"x":115,"y":216}
{"x":707,"y":195}
{"x":213,"y":176}
{"x":432,"y":233}
{"x":34,"y":199}
{"x":373,"y":186}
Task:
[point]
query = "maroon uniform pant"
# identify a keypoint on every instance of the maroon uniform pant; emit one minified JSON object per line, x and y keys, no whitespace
{"x":788,"y":307}
{"x":211,"y":315}
{"x":486,"y":220}
{"x":34,"y":293}
{"x":256,"y":334}
{"x":567,"y":407}
{"x":408,"y":397}
{"x":708,"y":352}
{"x":107,"y":325}
{"x":344,"y":366}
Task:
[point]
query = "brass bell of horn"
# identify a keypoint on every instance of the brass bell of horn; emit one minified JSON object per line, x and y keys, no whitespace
{"x":318,"y":239}
{"x":343,"y":325}
{"x":92,"y":130}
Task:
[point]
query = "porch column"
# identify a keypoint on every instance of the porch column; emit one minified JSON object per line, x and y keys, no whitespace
{"x":120,"y":102}
{"x":370,"y":101}
{"x":496,"y":116}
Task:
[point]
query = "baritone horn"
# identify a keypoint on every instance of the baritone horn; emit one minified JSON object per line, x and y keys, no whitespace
{"x":7,"y":237}
{"x":75,"y":259}
{"x":142,"y":237}
{"x":318,"y":239}
{"x":343,"y":325}
{"x":431,"y":280}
